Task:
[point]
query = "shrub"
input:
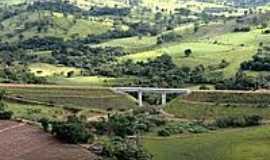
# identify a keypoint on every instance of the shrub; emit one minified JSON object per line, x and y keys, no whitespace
{"x":168,"y":37}
{"x":204,"y":87}
{"x":164,"y":133}
{"x":242,"y":29}
{"x":5,"y":115}
{"x":45,"y":124}
{"x":239,"y":121}
{"x":71,"y":132}
{"x":267,"y":31}
{"x":198,"y":129}
{"x":122,"y":149}
{"x":123,"y":125}
{"x":180,"y":128}
{"x":70,"y":74}
{"x":188,"y":52}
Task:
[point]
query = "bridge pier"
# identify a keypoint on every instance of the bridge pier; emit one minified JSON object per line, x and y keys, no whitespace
{"x":140,"y":98}
{"x":162,"y":91}
{"x":163,"y":98}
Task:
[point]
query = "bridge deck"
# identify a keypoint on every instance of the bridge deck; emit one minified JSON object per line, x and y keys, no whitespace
{"x":153,"y":90}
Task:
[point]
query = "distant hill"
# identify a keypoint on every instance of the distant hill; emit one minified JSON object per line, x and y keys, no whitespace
{"x":124,"y":42}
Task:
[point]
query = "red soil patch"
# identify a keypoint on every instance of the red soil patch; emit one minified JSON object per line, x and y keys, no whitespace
{"x":20,"y":141}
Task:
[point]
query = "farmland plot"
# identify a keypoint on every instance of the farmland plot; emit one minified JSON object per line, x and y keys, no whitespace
{"x":25,"y":142}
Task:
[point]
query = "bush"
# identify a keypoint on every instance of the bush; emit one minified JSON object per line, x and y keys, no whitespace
{"x":198,"y":129}
{"x":129,"y":124}
{"x":267,"y":31}
{"x":122,"y":149}
{"x":204,"y":87}
{"x":168,"y":37}
{"x":182,"y":128}
{"x":164,"y":132}
{"x":45,"y":124}
{"x":242,"y":29}
{"x":239,"y":121}
{"x":188,"y":52}
{"x":71,"y":132}
{"x":5,"y":115}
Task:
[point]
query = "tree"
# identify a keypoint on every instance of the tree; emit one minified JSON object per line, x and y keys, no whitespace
{"x":4,"y":115}
{"x":246,"y":12}
{"x":70,"y":74}
{"x":188,"y":52}
{"x":21,"y":37}
{"x":45,"y":124}
{"x":196,"y":27}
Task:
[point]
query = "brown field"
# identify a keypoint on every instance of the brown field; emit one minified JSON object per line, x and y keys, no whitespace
{"x":19,"y":141}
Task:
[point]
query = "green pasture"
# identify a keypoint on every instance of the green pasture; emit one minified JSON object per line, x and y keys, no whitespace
{"x":89,"y":81}
{"x":132,"y":44}
{"x":235,"y":48}
{"x":64,"y":27}
{"x":236,"y":144}
{"x":207,"y":54}
{"x":44,"y":70}
{"x":211,"y":105}
{"x":210,"y":111}
{"x":11,"y":2}
{"x":36,"y":112}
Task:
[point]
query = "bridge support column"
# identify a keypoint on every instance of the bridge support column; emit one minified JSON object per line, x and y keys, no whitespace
{"x":140,"y":98}
{"x":163,"y":99}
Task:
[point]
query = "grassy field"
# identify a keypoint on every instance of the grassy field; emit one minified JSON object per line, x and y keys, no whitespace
{"x":172,"y":4}
{"x":210,"y":50}
{"x":133,"y":44}
{"x":12,"y":2}
{"x":57,"y":74}
{"x":209,"y":106}
{"x":71,"y":97}
{"x":202,"y":53}
{"x":36,"y":112}
{"x":90,"y":81}
{"x":64,"y":27}
{"x":237,"y":144}
{"x":44,"y":70}
{"x":210,"y":111}
{"x":236,"y":97}
{"x":145,"y":43}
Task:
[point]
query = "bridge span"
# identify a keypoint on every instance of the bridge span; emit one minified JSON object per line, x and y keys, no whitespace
{"x":162,"y":91}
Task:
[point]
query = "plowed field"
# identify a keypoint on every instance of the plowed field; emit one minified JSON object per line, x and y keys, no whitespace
{"x":19,"y":141}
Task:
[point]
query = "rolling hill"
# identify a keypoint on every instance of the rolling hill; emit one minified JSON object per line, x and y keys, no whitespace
{"x":205,"y":28}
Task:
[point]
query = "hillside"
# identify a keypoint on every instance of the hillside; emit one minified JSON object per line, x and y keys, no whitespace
{"x":107,"y":43}
{"x":69,"y":97}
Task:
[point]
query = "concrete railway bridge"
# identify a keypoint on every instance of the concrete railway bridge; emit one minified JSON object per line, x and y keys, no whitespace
{"x":163,"y":91}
